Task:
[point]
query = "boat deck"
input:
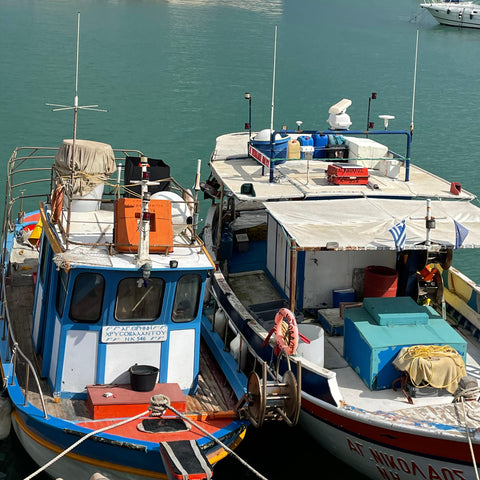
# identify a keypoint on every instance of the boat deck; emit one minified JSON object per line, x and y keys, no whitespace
{"x":383,"y":402}
{"x":301,"y":179}
{"x":213,"y":393}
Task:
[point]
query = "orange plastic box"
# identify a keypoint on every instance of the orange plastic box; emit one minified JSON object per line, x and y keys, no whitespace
{"x":126,"y":233}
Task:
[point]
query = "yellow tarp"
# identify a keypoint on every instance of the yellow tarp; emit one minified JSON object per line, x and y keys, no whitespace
{"x":434,"y":365}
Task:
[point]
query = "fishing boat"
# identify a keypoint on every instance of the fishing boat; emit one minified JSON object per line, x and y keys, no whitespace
{"x":454,"y":13}
{"x":104,"y":366}
{"x":334,"y":265}
{"x":102,"y":290}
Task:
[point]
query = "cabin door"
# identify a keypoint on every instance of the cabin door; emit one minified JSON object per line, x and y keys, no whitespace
{"x":42,"y":294}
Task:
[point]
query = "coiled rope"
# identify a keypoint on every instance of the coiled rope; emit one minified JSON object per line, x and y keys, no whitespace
{"x":158,"y":405}
{"x":420,"y":353}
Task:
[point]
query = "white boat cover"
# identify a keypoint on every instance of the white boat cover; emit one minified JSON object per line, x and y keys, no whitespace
{"x":364,"y":223}
{"x":93,"y":163}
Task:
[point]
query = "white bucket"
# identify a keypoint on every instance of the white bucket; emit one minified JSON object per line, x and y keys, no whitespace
{"x":89,"y":202}
{"x":312,"y":351}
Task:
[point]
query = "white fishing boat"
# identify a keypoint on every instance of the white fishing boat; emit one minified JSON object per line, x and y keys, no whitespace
{"x":334,"y":265}
{"x":454,"y":13}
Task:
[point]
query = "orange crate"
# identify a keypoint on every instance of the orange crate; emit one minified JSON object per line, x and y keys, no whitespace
{"x":347,"y":170}
{"x":127,"y":215}
{"x":342,"y":180}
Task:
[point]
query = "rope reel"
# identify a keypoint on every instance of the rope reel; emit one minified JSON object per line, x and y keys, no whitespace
{"x":273,"y":400}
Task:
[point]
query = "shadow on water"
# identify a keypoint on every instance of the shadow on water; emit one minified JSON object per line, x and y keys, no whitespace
{"x":15,"y":463}
{"x":278,"y":452}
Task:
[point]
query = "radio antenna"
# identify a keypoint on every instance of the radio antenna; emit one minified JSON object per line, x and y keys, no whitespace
{"x":75,"y":109}
{"x":273,"y":81}
{"x":414,"y":85}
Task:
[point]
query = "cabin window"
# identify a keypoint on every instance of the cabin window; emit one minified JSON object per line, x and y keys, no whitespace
{"x":87,"y":298}
{"x":187,"y":296}
{"x":139,"y":300}
{"x":62,"y":287}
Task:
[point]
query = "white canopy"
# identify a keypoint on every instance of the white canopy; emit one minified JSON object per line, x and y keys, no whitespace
{"x":364,"y":223}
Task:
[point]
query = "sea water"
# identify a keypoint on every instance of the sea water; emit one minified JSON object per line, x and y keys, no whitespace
{"x":172,"y":76}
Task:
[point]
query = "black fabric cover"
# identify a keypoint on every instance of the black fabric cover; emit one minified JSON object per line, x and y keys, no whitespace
{"x":133,"y":171}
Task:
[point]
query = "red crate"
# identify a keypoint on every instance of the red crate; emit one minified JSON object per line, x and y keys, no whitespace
{"x":343,"y":180}
{"x":347,"y":170}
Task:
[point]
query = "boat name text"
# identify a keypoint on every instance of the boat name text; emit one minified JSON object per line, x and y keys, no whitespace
{"x":393,"y":468}
{"x":134,"y":333}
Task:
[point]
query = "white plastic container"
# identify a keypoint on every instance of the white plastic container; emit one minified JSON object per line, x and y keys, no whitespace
{"x":180,"y":210}
{"x":89,"y":202}
{"x":313,"y":351}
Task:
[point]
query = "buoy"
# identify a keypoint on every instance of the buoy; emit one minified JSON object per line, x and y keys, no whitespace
{"x":5,"y":418}
{"x":98,"y":476}
{"x":239,"y":351}
{"x":220,"y":320}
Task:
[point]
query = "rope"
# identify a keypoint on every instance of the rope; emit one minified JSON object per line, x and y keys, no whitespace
{"x":425,"y":352}
{"x":472,"y":453}
{"x":161,"y":401}
{"x":87,"y":436}
{"x":158,"y":405}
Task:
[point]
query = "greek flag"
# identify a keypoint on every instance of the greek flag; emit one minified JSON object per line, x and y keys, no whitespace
{"x":399,"y":234}
{"x":460,"y":234}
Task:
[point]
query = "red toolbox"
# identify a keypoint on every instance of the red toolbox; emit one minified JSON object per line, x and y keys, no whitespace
{"x":347,"y":174}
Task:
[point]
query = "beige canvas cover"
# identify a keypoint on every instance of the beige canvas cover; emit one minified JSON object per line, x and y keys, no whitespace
{"x":93,"y":163}
{"x":364,"y":223}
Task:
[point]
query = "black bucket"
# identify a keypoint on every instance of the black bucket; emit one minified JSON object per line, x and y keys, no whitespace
{"x":143,"y":377}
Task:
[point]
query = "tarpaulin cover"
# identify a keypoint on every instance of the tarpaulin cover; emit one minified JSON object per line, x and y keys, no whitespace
{"x":93,"y":163}
{"x":364,"y":223}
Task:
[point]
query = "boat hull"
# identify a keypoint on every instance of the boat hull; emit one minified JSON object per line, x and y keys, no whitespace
{"x":44,"y":440}
{"x":380,"y":459}
{"x":455,"y":16}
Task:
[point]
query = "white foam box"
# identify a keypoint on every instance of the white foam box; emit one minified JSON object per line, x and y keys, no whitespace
{"x":366,"y":149}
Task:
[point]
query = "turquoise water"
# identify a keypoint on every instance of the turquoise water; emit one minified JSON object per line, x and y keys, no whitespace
{"x":172,"y":75}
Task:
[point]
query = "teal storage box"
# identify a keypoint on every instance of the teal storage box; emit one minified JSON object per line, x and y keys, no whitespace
{"x":395,"y":311}
{"x":371,"y":348}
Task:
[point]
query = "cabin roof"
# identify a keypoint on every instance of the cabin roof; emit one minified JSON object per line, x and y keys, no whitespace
{"x":96,"y":226}
{"x":338,"y":225}
{"x":299,"y":179}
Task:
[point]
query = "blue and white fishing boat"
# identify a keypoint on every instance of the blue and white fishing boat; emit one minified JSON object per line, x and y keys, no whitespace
{"x":334,"y":264}
{"x":102,"y":288}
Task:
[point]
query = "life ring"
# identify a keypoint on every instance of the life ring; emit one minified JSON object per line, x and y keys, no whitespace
{"x":57,"y":203}
{"x":286,"y":336}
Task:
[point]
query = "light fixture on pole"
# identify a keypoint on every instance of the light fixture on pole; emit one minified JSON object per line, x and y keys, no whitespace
{"x":248,"y":126}
{"x":373,"y":96}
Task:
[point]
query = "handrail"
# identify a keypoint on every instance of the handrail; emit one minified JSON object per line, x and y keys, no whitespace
{"x":405,"y":159}
{"x":23,"y":165}
{"x":12,"y":344}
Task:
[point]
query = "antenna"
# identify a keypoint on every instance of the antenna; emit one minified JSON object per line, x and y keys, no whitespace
{"x":75,"y":106}
{"x":75,"y":109}
{"x":273,"y":81}
{"x":414,"y":85}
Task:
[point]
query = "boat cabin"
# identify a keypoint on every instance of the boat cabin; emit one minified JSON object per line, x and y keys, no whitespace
{"x":105,"y":301}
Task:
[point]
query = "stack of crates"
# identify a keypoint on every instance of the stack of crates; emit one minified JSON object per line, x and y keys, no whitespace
{"x":347,"y":174}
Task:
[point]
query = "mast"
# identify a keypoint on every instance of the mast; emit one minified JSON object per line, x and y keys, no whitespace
{"x":75,"y":109}
{"x":273,"y":79}
{"x":414,"y":85}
